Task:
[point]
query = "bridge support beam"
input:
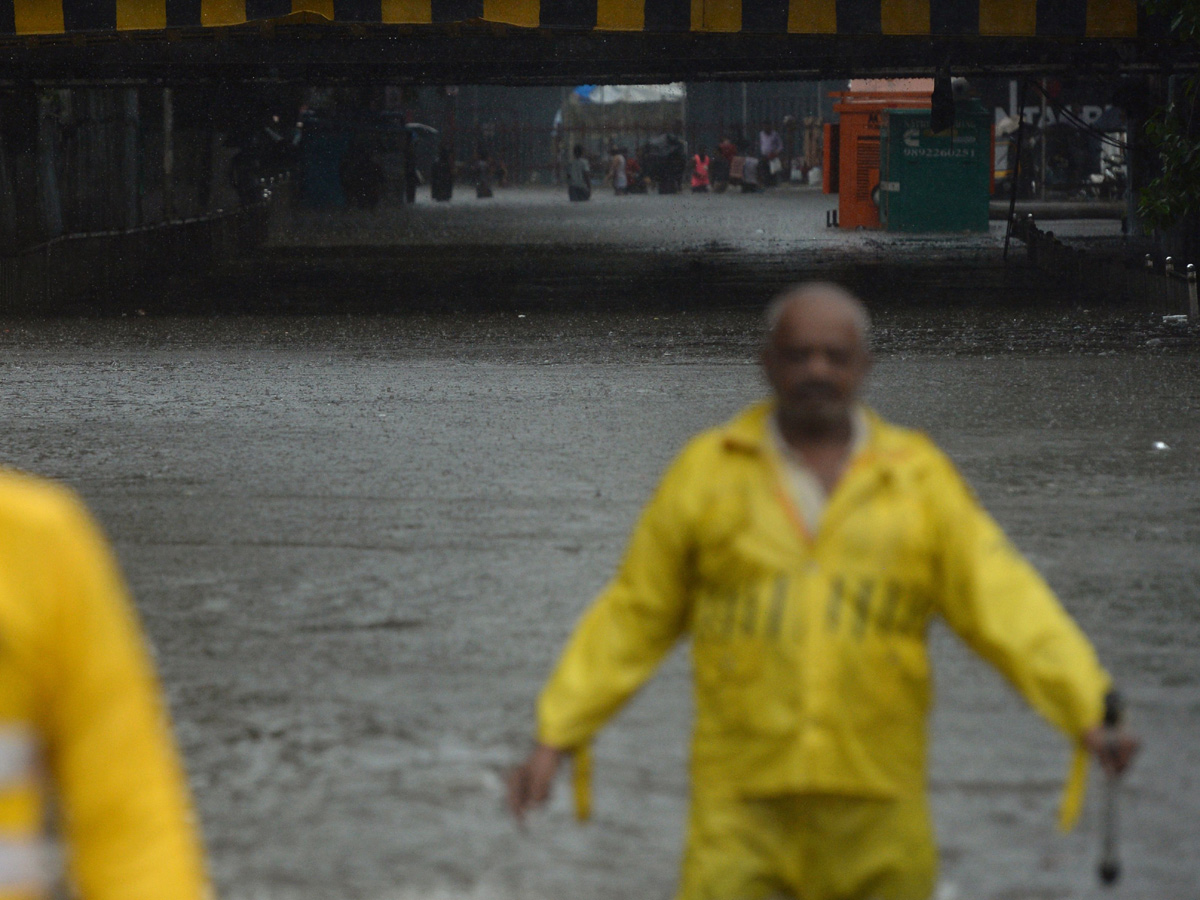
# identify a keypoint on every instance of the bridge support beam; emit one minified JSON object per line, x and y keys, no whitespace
{"x":131,"y":195}
{"x":8,"y":201}
{"x":168,"y":154}
{"x":49,"y":198}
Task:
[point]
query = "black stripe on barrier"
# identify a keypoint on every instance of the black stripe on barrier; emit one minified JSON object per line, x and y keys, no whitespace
{"x":457,"y":10}
{"x":8,"y":17}
{"x":1062,"y":18}
{"x":668,"y":15}
{"x":859,"y":17}
{"x":768,"y":16}
{"x":89,"y":15}
{"x":357,"y":10}
{"x":578,"y":15}
{"x":267,"y":9}
{"x":183,"y":13}
{"x":954,"y":17}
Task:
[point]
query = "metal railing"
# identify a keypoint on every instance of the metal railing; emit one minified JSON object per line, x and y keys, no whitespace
{"x":1174,"y":288}
{"x":1166,"y":288}
{"x":39,"y":277}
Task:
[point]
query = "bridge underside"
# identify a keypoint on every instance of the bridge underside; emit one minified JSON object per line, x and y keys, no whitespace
{"x":570,"y":41}
{"x":489,"y":53}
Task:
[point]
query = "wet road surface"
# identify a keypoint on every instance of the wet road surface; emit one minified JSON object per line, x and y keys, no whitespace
{"x":359,"y":539}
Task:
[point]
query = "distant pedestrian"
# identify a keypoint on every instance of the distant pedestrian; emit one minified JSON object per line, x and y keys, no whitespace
{"x":361,"y":176}
{"x":722,"y":164}
{"x":483,"y":175}
{"x":770,"y":149}
{"x":411,"y":176}
{"x":616,"y":172}
{"x":441,"y":176}
{"x":579,"y":176}
{"x":700,"y":164}
{"x":635,"y":176}
{"x":750,"y":175}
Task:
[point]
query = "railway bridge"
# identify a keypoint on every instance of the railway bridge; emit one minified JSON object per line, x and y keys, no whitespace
{"x":557,"y":41}
{"x":113,"y":112}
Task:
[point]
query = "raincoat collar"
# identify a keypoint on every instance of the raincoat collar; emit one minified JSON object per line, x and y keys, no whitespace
{"x":874,"y":464}
{"x":748,"y":432}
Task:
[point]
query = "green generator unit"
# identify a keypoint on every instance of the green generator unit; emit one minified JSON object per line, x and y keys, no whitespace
{"x":935,"y":181}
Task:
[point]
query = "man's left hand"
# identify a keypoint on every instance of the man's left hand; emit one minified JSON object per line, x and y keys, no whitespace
{"x":1115,"y":748}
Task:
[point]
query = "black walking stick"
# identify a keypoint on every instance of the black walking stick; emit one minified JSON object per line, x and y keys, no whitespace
{"x":1109,"y":869}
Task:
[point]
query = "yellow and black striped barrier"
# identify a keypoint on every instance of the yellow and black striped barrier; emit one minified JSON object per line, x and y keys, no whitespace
{"x":1079,"y":19}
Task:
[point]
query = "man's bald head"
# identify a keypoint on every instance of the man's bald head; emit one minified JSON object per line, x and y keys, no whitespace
{"x":816,"y":357}
{"x":830,"y":298}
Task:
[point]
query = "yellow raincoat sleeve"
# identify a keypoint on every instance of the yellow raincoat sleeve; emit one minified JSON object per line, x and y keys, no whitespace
{"x":995,"y":600}
{"x":127,"y":819}
{"x":632,"y":624}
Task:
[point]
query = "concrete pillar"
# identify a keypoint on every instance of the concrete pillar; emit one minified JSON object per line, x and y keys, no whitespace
{"x":168,"y":154}
{"x":131,"y":193}
{"x":8,"y":203}
{"x":1042,"y":146}
{"x":49,"y":199}
{"x":92,"y":188}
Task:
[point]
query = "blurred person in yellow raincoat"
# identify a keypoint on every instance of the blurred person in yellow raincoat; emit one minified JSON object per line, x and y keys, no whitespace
{"x":805,"y":546}
{"x":83,"y":727}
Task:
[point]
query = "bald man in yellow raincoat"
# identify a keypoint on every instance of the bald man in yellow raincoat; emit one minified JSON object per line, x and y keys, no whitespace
{"x":82,"y":720}
{"x":805,"y":546}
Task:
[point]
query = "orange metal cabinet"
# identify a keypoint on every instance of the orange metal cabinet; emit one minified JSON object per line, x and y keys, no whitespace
{"x":858,"y":153}
{"x":830,"y":159}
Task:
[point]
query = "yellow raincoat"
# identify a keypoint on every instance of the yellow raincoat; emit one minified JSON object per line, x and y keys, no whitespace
{"x":809,"y":651}
{"x":81,"y":717}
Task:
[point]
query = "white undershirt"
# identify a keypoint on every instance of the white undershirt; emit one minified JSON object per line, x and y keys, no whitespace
{"x":803,"y":486}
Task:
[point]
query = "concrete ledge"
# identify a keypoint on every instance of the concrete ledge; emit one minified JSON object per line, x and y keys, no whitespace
{"x":1049,"y":210}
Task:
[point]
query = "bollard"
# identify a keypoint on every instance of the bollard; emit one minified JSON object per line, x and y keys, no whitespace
{"x":1168,"y":284}
{"x":1193,"y":304}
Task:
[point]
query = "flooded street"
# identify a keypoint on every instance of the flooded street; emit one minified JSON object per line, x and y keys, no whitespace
{"x":361,"y":494}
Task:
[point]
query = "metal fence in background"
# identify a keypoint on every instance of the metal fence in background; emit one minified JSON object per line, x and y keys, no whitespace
{"x":38,"y":279}
{"x":1163,"y":286}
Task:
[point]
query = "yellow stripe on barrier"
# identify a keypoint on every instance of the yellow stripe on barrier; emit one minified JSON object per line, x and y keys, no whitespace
{"x":620,"y":15}
{"x":1112,"y":18}
{"x":716,"y":15}
{"x":904,"y":16}
{"x":408,"y":12}
{"x":38,"y":17}
{"x":322,"y":8}
{"x":997,"y":18}
{"x":812,"y":16}
{"x":222,"y":12}
{"x":1008,"y":17}
{"x":522,"y":13}
{"x":141,"y":15}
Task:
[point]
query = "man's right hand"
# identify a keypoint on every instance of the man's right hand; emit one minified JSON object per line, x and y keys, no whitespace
{"x":529,"y":783}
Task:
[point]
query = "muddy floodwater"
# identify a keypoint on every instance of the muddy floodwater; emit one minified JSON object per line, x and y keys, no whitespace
{"x":362,"y":492}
